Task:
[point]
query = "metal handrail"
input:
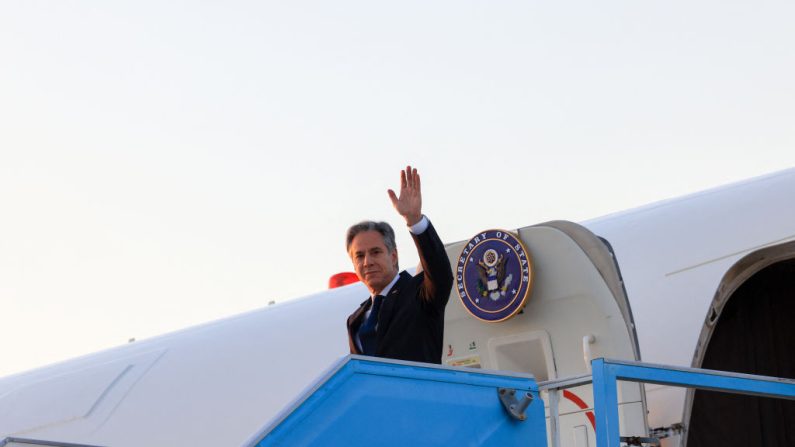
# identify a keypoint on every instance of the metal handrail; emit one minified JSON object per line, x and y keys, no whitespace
{"x":606,"y":374}
{"x":553,"y":388}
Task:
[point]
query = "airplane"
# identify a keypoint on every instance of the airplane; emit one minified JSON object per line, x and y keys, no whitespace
{"x":699,"y":281}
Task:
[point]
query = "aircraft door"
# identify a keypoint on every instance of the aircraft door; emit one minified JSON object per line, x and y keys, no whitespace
{"x":576,"y":310}
{"x":748,"y":330}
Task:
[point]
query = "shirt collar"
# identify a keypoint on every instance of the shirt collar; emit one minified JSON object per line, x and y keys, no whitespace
{"x":389,"y":286}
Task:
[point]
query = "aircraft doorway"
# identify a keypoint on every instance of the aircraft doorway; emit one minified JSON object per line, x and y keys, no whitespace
{"x":750,"y":332}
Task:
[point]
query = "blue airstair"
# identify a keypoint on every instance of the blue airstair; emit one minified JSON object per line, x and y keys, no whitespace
{"x":363,"y":401}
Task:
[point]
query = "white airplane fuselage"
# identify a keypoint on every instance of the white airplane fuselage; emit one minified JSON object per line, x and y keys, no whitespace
{"x":655,"y":299}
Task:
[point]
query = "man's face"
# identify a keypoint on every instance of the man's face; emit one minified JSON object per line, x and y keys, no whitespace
{"x":374,"y":264}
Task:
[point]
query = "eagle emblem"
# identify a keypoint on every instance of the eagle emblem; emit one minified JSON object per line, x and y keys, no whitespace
{"x":492,"y":282}
{"x":494,"y":275}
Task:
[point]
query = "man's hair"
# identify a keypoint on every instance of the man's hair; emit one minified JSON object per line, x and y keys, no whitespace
{"x":368,"y":225}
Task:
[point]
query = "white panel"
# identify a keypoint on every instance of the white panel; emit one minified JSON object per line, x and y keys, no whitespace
{"x":580,"y":436}
{"x":59,"y":399}
{"x":71,"y":397}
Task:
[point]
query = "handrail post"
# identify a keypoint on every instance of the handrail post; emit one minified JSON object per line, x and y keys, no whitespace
{"x":554,"y":417}
{"x":605,"y":392}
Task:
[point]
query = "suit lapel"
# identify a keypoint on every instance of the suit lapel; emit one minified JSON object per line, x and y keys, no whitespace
{"x":354,"y":321}
{"x":356,"y":318}
{"x":388,"y":307}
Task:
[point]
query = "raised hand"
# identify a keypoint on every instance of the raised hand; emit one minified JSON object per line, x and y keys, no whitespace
{"x":409,"y":203}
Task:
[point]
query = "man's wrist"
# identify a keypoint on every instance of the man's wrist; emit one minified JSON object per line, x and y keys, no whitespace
{"x":413,"y":220}
{"x":420,"y":226}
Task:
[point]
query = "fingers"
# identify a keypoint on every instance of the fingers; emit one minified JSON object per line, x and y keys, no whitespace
{"x":411,"y":177}
{"x":392,"y":197}
{"x":409,"y":203}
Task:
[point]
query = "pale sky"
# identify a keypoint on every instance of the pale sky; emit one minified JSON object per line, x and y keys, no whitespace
{"x":167,"y":163}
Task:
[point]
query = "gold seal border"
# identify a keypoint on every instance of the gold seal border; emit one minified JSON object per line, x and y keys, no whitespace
{"x":530,"y":269}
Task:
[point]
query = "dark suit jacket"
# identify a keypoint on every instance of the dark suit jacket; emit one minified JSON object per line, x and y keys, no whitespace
{"x":411,"y":319}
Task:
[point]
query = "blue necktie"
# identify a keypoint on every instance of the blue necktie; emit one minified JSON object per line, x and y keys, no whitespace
{"x":367,"y":329}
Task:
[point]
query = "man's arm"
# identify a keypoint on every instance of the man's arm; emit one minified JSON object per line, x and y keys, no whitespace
{"x":433,"y":257}
{"x":438,"y":280}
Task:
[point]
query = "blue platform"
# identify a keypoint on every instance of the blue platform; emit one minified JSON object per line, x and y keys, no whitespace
{"x":364,"y":401}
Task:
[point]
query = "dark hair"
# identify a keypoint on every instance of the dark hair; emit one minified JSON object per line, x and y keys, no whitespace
{"x":368,"y":225}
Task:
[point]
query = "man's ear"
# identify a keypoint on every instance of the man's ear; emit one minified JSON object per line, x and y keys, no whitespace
{"x":394,"y":258}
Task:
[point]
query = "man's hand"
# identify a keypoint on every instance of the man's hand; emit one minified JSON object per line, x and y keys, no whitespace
{"x":409,"y":204}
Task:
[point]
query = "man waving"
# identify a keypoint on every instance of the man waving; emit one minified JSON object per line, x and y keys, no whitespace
{"x":404,"y":316}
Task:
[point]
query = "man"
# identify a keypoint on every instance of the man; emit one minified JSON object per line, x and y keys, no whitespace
{"x":404,"y":316}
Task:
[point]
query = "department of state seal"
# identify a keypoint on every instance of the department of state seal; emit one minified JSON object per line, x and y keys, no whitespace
{"x":494,"y":275}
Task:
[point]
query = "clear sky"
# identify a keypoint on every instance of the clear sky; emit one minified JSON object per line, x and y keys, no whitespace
{"x":166,"y":163}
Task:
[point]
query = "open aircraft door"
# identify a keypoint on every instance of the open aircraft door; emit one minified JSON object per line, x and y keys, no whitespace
{"x":576,"y":309}
{"x":748,"y":330}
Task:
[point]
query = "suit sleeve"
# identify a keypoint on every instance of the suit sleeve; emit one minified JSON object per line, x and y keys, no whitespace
{"x":438,"y":276}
